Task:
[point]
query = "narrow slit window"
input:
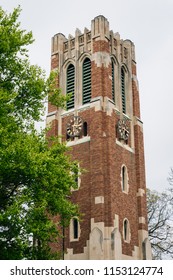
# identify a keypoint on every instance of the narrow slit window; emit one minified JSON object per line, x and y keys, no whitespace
{"x":86,"y":81}
{"x":75,"y":229}
{"x":124,"y":178}
{"x":126,"y":230}
{"x":70,"y":85}
{"x":85,"y":129}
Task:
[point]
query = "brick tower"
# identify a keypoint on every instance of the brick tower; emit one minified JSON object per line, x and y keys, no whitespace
{"x":102,"y":125}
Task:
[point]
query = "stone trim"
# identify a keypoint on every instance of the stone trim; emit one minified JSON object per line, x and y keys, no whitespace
{"x":124,"y":146}
{"x":99,"y":199}
{"x":107,"y":238}
{"x":142,"y":220}
{"x":141,"y":192}
{"x":78,"y":141}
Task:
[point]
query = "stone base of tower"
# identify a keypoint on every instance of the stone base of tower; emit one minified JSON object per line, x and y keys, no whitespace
{"x":105,"y":243}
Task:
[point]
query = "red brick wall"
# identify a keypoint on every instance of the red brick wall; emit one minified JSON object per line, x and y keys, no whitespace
{"x":102,"y":159}
{"x":101,"y":82}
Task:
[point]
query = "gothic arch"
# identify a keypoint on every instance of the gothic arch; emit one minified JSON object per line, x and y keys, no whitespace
{"x":84,"y":98}
{"x":70,"y":85}
{"x":115,"y":78}
{"x":115,"y":60}
{"x":116,"y":244}
{"x":124,"y":179}
{"x":63,"y":75}
{"x":83,"y":56}
{"x":67,"y":62}
{"x":126,"y":230}
{"x":96,"y":243}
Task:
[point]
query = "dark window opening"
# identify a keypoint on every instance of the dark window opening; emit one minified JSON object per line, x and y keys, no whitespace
{"x":75,"y":228}
{"x":123,"y":178}
{"x":125,"y":230}
{"x":85,"y":129}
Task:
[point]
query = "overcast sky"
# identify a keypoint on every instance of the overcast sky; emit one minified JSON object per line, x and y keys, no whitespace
{"x":149,"y":24}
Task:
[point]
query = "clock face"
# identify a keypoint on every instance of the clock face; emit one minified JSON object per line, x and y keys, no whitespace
{"x":123,"y":130}
{"x":74,"y":126}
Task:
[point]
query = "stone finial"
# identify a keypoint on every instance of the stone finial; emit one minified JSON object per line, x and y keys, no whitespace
{"x":100,"y":27}
{"x":86,"y":30}
{"x":78,"y":32}
{"x":70,"y":37}
{"x":57,"y":42}
{"x":117,"y":35}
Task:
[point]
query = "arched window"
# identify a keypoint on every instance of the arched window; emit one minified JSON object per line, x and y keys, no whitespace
{"x":123,"y":93}
{"x":124,"y":179}
{"x":113,"y":81}
{"x":86,"y":81}
{"x":75,"y":229}
{"x":85,"y":129}
{"x":70,"y":88}
{"x":126,"y":230}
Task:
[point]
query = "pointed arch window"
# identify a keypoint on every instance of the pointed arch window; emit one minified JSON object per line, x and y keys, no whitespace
{"x":74,"y":229}
{"x":123,"y":93}
{"x":86,"y":81}
{"x":124,"y":179}
{"x":113,"y":81}
{"x":70,"y":86}
{"x":126,"y":230}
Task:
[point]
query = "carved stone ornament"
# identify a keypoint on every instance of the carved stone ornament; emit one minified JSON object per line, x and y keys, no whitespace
{"x":74,"y":126}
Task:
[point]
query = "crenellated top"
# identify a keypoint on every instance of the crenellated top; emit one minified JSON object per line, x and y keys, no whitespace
{"x":74,"y":47}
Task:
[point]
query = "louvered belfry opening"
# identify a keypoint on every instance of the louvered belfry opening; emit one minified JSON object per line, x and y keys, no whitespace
{"x":113,"y":83}
{"x":86,"y":81}
{"x":123,"y":95}
{"x":70,"y":85}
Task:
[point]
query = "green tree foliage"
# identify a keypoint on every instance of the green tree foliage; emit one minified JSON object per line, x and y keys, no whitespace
{"x":160,"y":224}
{"x":36,"y":174}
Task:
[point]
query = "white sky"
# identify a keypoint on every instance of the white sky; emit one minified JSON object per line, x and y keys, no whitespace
{"x":149,"y":24}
